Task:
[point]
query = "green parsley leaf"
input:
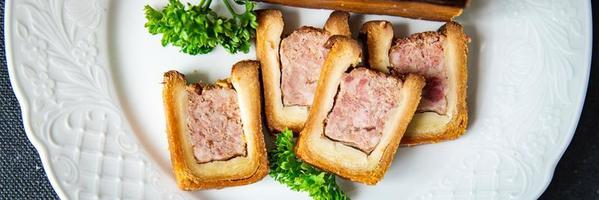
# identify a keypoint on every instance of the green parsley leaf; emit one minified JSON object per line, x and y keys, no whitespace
{"x":287,"y":169}
{"x":197,"y":29}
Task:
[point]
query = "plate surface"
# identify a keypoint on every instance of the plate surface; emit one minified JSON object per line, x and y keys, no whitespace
{"x":87,"y":75}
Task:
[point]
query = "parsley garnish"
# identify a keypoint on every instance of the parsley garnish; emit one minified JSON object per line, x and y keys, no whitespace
{"x":197,"y":29}
{"x":286,"y":168}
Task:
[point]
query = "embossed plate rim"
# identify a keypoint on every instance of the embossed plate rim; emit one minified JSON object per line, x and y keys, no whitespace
{"x":42,"y":149}
{"x":572,"y":131}
{"x":24,"y":106}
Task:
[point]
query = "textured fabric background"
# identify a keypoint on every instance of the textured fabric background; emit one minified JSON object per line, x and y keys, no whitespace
{"x":22,"y":175}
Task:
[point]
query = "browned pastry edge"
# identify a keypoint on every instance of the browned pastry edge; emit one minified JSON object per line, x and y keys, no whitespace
{"x":409,"y":9}
{"x":338,"y":23}
{"x":378,"y":36}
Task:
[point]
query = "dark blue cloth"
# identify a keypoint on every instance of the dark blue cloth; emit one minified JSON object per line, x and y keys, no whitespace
{"x":21,"y":173}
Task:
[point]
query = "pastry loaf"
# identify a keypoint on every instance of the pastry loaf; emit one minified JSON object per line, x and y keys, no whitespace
{"x":195,"y":113}
{"x":353,"y":102}
{"x":290,"y":65}
{"x":440,"y":56}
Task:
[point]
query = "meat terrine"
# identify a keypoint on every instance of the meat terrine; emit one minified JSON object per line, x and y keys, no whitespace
{"x":358,"y":118}
{"x":291,"y":65}
{"x":423,"y":53}
{"x":362,"y":107}
{"x":302,"y":56}
{"x":214,"y":123}
{"x":214,"y":131}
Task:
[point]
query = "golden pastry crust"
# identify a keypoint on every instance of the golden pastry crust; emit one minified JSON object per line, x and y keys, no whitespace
{"x":456,"y":53}
{"x":314,"y":148}
{"x":338,"y":23}
{"x":379,"y":36}
{"x":239,"y":170}
{"x":268,"y":40}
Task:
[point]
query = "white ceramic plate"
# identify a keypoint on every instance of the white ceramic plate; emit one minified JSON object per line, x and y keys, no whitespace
{"x":87,"y":75}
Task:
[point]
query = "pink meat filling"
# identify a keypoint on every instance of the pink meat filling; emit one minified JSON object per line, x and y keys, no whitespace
{"x":362,"y":107}
{"x":214,"y":124}
{"x":423,"y":54}
{"x":302,"y":56}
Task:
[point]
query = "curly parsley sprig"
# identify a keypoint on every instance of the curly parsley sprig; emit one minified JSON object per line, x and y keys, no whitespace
{"x":197,"y":29}
{"x":286,"y":168}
